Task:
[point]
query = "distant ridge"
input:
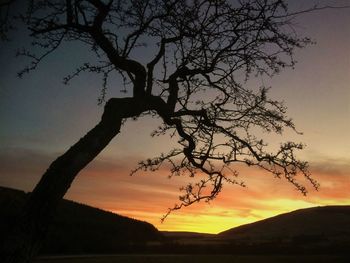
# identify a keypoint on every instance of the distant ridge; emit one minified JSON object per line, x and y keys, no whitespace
{"x":81,"y":229}
{"x":186,"y":234}
{"x":318,"y":230}
{"x":317,"y":227}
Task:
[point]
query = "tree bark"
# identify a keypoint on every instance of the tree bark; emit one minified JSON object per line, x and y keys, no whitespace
{"x":25,"y":238}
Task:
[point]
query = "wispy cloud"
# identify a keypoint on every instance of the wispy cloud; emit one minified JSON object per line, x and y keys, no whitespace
{"x":21,"y":168}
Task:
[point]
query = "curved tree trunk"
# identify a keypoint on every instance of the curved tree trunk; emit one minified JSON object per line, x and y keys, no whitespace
{"x":25,"y":239}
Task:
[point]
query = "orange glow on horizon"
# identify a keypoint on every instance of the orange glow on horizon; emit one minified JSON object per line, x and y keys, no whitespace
{"x":147,"y":198}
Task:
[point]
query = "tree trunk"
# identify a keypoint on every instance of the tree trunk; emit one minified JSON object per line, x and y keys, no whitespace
{"x":25,"y":238}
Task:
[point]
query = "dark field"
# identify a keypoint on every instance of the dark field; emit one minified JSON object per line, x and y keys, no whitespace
{"x":198,"y":258}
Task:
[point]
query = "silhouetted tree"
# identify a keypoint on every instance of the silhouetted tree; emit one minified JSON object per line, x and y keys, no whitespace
{"x":4,"y":18}
{"x":204,"y":51}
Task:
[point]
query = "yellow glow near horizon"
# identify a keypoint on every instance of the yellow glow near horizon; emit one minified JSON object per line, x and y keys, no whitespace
{"x":214,"y":220}
{"x":210,"y":223}
{"x":147,"y":198}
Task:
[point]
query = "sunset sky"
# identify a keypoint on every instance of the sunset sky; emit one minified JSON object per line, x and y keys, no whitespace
{"x":40,"y":118}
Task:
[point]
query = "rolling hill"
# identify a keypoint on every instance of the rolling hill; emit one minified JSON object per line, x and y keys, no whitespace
{"x":314,"y":228}
{"x":81,"y":229}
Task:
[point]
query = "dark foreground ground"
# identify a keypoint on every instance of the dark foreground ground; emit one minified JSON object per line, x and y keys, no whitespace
{"x":199,"y":259}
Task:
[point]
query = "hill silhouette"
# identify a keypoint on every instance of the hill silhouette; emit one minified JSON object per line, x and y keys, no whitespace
{"x":318,"y":230}
{"x":81,"y":229}
{"x":311,"y":229}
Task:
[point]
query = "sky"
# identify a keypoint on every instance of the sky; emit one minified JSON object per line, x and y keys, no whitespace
{"x":41,"y":118}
